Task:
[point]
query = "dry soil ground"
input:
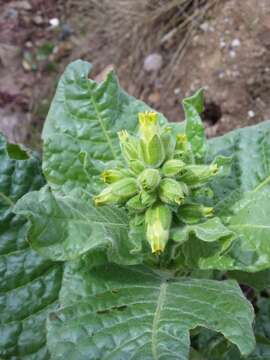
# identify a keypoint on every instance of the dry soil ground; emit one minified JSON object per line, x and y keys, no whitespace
{"x":228,"y":54}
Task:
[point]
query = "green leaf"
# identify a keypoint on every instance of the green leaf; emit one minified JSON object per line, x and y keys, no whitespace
{"x":214,"y":347}
{"x":84,"y":118}
{"x":259,"y":280}
{"x":194,"y":128}
{"x":118,"y":313}
{"x":209,"y":231}
{"x":250,"y":149}
{"x":29,"y":284}
{"x":64,"y":227}
{"x":250,"y":251}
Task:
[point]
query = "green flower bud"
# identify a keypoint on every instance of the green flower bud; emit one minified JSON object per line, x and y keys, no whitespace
{"x":198,"y":174}
{"x":193,"y":213}
{"x":141,"y":202}
{"x":168,"y":142}
{"x":106,"y":197}
{"x":172,"y":192}
{"x":136,"y":166}
{"x":181,"y":142}
{"x":149,"y":179}
{"x":125,"y":188}
{"x":112,"y":175}
{"x":183,"y":149}
{"x":135,"y":204}
{"x":148,"y":199}
{"x":129,"y":146}
{"x":172,"y":167}
{"x":117,"y":192}
{"x":152,"y":149}
{"x":158,"y":222}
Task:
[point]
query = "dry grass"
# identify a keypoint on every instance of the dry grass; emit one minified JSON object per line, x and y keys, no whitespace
{"x":124,"y":32}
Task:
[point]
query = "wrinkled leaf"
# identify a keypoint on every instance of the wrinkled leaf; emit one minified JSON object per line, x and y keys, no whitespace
{"x":122,"y":313}
{"x":250,"y":149}
{"x":29,"y":284}
{"x":194,"y":128}
{"x":214,"y":347}
{"x":250,"y":250}
{"x":64,"y":227}
{"x":209,"y":231}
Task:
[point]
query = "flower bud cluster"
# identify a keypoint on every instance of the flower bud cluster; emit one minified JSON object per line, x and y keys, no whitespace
{"x":156,"y":179}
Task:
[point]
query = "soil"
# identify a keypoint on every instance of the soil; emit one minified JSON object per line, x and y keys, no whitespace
{"x":228,"y":55}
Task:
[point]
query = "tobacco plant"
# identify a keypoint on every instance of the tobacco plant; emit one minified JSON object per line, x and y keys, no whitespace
{"x":139,"y":234}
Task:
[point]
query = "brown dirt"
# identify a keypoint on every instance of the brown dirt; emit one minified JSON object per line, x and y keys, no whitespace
{"x":228,"y":55}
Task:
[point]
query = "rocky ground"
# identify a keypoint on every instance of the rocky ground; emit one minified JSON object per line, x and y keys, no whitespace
{"x":227,"y":53}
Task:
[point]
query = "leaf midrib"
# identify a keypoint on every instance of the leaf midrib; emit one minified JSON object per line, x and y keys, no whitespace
{"x":160,"y":303}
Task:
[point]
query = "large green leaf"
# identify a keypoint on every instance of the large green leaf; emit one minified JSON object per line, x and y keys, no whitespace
{"x":250,"y":250}
{"x":250,"y":149}
{"x":214,"y":347}
{"x":64,"y":227}
{"x":82,"y":123}
{"x":132,"y":312}
{"x":29,"y":284}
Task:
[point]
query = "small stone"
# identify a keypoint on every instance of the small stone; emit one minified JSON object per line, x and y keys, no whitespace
{"x":222,"y":44}
{"x":152,"y":62}
{"x":177,"y":91}
{"x":29,"y":44}
{"x":38,"y":20}
{"x":205,"y":26}
{"x":232,"y":54}
{"x":251,"y":114}
{"x":236,"y":43}
{"x":54,"y":22}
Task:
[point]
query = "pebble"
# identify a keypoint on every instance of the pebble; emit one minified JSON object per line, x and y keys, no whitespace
{"x":236,"y":43}
{"x":152,"y":62}
{"x":251,"y":113}
{"x":54,"y":22}
{"x":222,"y":44}
{"x":232,"y":54}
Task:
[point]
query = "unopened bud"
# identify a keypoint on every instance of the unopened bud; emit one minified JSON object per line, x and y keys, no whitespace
{"x":149,"y":179}
{"x":172,"y":167}
{"x":125,"y":188}
{"x":113,"y":175}
{"x":193,"y":213}
{"x":168,"y":142}
{"x":158,"y":221}
{"x":136,"y":166}
{"x":148,"y":199}
{"x":198,"y":174}
{"x":153,"y":153}
{"x":117,"y":192}
{"x":172,"y":192}
{"x":135,"y":204}
{"x":152,"y":149}
{"x":106,"y":197}
{"x":129,"y":145}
